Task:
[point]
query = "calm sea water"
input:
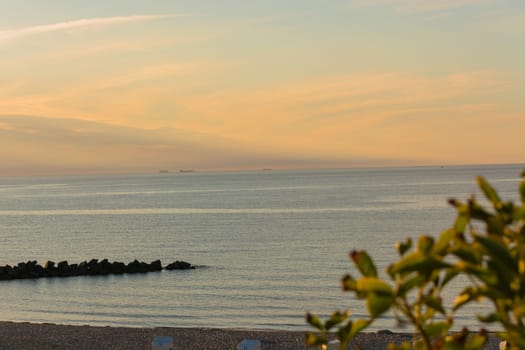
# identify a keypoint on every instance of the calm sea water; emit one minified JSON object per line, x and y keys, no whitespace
{"x":269,"y":245}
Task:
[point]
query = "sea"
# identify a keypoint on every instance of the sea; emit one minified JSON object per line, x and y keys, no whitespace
{"x":268,"y":245}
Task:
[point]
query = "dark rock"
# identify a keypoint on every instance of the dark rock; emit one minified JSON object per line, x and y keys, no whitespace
{"x":118,"y":267}
{"x":40,"y":270}
{"x":93,"y":267}
{"x":179,"y":265}
{"x":26,"y":270}
{"x":5,"y":272}
{"x":50,"y":265}
{"x":104,"y":267}
{"x":63,"y":269}
{"x":21,"y":270}
{"x":92,"y":263}
{"x":73,"y":270}
{"x":31,"y":269}
{"x":12,"y":272}
{"x":143,"y":267}
{"x":155,"y":265}
{"x":83,"y":268}
{"x":133,"y":267}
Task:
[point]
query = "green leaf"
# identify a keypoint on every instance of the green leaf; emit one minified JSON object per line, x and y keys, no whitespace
{"x":519,"y":309}
{"x":343,"y":333}
{"x":402,"y":248}
{"x":378,"y":303}
{"x":489,"y":192}
{"x":507,"y":212}
{"x":336,"y":318}
{"x":364,"y":263}
{"x":425,"y":244}
{"x":409,"y":263}
{"x":498,"y":251}
{"x":407,"y":285}
{"x":478,"y":212}
{"x":467,"y":254}
{"x":314,"y":321}
{"x":469,"y":294}
{"x":378,"y":293}
{"x":477,"y":341}
{"x":490,"y":318}
{"x":488,"y":277}
{"x":493,"y":292}
{"x":519,"y":342}
{"x":495,"y":225}
{"x":349,"y":331}
{"x":358,"y":326}
{"x":504,"y":275}
{"x":348,"y":283}
{"x":445,"y":238}
{"x":374,"y":285}
{"x":449,"y":276}
{"x":435,"y":329}
{"x":462,"y":218}
{"x":436,"y":304}
{"x":315,"y":340}
{"x":417,"y":262}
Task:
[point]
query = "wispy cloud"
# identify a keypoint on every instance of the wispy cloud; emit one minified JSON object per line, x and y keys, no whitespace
{"x":27,"y":141}
{"x":341,"y":109}
{"x":162,"y":71}
{"x":111,"y":46}
{"x":418,"y":6}
{"x":6,"y":126}
{"x":18,"y":33}
{"x":126,"y":97}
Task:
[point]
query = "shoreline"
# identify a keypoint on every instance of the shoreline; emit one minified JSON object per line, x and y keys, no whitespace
{"x":48,"y":336}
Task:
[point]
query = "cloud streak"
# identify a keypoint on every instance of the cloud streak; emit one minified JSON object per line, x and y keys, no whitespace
{"x":418,"y":6}
{"x":40,"y":145}
{"x":337,"y":115}
{"x":162,"y":71}
{"x":19,"y":33}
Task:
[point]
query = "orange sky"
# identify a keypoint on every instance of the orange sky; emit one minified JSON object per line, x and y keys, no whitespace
{"x":141,"y":86}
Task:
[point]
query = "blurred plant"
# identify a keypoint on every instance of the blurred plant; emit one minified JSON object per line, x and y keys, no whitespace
{"x":487,"y":245}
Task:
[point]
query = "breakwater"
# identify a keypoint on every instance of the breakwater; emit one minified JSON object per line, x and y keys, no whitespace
{"x":93,"y":267}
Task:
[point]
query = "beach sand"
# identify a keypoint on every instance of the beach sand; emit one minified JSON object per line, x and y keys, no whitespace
{"x":30,"y":336}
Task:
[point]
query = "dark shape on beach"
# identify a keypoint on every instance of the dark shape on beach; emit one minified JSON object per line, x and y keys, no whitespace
{"x":31,"y":269}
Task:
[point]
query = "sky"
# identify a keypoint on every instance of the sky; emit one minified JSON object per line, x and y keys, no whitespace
{"x":139,"y":85}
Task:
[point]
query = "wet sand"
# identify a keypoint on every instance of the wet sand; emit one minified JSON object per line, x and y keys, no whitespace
{"x":30,"y":336}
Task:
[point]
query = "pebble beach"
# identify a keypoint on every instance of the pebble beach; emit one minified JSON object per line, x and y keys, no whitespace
{"x":31,"y":336}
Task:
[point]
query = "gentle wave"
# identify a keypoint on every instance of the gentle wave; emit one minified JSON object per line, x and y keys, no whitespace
{"x":166,"y":192}
{"x":177,"y":211}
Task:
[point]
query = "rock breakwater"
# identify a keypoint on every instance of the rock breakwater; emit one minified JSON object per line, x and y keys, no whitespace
{"x":93,"y":267}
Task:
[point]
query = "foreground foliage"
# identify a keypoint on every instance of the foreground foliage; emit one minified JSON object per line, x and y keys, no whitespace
{"x":486,"y":244}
